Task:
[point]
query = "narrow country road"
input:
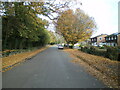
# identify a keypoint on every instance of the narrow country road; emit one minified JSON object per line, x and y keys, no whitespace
{"x":51,"y":68}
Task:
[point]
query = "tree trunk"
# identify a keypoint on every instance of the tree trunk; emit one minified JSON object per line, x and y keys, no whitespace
{"x":21,"y":44}
{"x":16,"y":43}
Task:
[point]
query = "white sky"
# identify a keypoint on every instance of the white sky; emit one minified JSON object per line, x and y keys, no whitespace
{"x":105,"y":13}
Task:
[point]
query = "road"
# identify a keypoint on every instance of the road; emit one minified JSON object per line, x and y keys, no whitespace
{"x":51,"y":68}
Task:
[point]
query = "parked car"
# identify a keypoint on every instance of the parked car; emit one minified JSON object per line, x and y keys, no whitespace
{"x":60,"y":47}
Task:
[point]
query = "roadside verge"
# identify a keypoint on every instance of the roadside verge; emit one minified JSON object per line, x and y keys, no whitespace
{"x":13,"y":60}
{"x":104,"y":69}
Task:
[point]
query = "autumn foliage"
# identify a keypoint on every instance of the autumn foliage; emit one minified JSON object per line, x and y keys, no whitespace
{"x":75,"y":26}
{"x":104,"y":69}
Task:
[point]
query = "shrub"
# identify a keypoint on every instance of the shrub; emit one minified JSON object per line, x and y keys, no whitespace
{"x":102,"y":47}
{"x":111,"y":53}
{"x":71,"y":46}
{"x":81,"y":45}
{"x":97,"y":51}
{"x":52,"y":43}
{"x":6,"y":53}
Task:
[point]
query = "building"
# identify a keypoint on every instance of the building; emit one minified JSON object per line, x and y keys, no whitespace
{"x":119,"y":40}
{"x":112,"y":40}
{"x":98,"y":40}
{"x":86,"y":42}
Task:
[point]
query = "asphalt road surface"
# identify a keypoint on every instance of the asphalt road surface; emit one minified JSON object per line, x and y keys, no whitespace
{"x":51,"y":68}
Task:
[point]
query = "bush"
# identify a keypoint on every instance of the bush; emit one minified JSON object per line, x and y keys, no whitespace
{"x":80,"y":45}
{"x":6,"y":53}
{"x":102,"y":47}
{"x":71,"y":46}
{"x":52,"y":43}
{"x":97,"y":51}
{"x":111,"y":53}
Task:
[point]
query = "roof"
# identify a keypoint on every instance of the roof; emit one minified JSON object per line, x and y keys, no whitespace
{"x":114,"y":34}
{"x":99,"y":35}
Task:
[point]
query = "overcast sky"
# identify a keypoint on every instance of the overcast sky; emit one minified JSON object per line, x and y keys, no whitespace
{"x":105,"y":13}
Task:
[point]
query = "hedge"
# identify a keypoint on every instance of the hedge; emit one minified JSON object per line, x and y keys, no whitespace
{"x":6,"y":53}
{"x":111,"y":52}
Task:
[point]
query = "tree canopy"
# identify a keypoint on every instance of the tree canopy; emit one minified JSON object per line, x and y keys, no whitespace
{"x":75,"y":26}
{"x":21,"y":26}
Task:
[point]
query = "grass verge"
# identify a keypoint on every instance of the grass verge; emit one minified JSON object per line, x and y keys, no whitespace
{"x":13,"y":60}
{"x":104,"y":69}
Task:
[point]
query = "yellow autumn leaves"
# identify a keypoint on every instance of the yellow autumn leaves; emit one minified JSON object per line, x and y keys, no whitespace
{"x":17,"y":58}
{"x":75,"y":26}
{"x":104,"y":69}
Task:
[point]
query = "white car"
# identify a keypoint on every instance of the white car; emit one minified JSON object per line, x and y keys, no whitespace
{"x":60,"y":47}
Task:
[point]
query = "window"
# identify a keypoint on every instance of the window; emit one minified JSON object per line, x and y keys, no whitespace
{"x":106,"y":38}
{"x":100,"y":38}
{"x":111,"y":38}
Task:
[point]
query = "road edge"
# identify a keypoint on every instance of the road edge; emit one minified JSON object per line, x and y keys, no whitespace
{"x":23,"y":60}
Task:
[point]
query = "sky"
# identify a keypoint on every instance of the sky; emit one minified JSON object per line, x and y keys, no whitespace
{"x":105,"y":13}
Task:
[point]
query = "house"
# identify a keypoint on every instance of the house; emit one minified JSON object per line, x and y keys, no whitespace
{"x":119,"y":40}
{"x":98,"y":40}
{"x":86,"y":42}
{"x":112,"y":40}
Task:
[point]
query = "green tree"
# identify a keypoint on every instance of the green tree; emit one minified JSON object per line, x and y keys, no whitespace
{"x":21,"y":26}
{"x":52,"y":37}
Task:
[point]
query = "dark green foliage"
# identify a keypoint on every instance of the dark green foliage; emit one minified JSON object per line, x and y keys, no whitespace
{"x":16,"y":51}
{"x":52,"y":36}
{"x":112,"y":53}
{"x":71,"y":46}
{"x":109,"y":52}
{"x":52,"y":43}
{"x":21,"y":28}
{"x":102,"y":47}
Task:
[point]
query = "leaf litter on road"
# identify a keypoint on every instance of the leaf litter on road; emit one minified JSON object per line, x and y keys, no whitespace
{"x":14,"y":60}
{"x":104,"y":69}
